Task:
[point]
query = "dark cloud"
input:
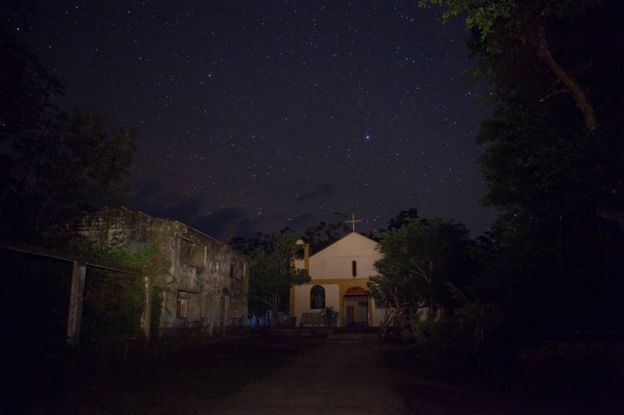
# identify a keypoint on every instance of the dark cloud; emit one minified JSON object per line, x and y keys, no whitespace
{"x":154,"y":199}
{"x":227,"y":223}
{"x":324,"y":189}
{"x":302,"y":220}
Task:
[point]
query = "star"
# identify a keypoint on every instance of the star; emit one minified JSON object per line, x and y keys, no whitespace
{"x":251,"y":115}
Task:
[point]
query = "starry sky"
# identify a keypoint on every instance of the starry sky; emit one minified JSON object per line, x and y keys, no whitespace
{"x":256,"y":115}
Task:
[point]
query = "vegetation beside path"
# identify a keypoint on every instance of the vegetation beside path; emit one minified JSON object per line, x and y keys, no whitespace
{"x":435,"y":382}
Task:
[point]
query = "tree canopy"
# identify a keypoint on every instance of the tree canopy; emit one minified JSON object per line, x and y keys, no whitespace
{"x":53,"y":163}
{"x":554,"y":157}
{"x":511,"y":33}
{"x":420,"y":258}
{"x":272,"y":274}
{"x":324,"y":234}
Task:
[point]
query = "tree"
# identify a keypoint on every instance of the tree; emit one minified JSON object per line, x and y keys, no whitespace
{"x":555,"y":66}
{"x":272,"y":274}
{"x":509,"y":28}
{"x":553,"y":159}
{"x":403,"y":216}
{"x":247,"y":246}
{"x":324,"y":234}
{"x":419,"y":259}
{"x":54,"y":164}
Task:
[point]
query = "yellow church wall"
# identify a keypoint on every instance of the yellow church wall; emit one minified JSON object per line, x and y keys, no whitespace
{"x":335,"y":261}
{"x":332,"y":268}
{"x":334,"y":297}
{"x":291,"y":302}
{"x":301,"y":297}
{"x":377,"y":314}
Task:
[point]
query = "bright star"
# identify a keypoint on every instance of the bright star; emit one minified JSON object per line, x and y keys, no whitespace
{"x":368,"y":137}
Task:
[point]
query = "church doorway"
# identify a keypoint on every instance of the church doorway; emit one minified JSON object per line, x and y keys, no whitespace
{"x":356,"y":307}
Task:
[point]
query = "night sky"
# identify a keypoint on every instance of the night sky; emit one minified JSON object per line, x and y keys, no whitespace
{"x":255,"y":115}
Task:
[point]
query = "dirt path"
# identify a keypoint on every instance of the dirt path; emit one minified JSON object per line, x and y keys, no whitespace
{"x":346,"y":375}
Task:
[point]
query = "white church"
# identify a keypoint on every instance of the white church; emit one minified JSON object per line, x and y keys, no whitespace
{"x":339,"y":274}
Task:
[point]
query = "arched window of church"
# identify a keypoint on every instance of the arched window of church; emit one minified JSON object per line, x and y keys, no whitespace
{"x":317,"y":297}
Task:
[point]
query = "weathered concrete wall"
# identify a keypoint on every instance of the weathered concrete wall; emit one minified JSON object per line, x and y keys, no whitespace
{"x":207,"y":282}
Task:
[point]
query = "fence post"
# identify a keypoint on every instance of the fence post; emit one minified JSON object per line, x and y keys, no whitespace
{"x":147,"y":312}
{"x":76,"y":298}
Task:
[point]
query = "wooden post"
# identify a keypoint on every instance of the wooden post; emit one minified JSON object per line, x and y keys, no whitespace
{"x":76,"y":298}
{"x":147,"y":309}
{"x":225,"y":305}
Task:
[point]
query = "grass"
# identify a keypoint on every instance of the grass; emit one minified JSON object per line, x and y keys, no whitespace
{"x":171,"y":379}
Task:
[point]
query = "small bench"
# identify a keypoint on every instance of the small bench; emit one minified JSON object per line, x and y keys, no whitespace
{"x":312,"y":319}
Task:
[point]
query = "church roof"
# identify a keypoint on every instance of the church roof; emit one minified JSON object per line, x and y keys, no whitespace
{"x":346,"y":238}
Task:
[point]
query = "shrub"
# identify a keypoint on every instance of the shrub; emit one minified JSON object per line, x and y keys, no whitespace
{"x":330,"y":317}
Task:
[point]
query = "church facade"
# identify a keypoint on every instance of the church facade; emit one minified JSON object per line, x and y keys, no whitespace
{"x":339,"y":274}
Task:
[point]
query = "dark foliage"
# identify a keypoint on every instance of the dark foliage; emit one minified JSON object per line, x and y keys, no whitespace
{"x":554,"y":164}
{"x":324,"y":234}
{"x":53,"y":164}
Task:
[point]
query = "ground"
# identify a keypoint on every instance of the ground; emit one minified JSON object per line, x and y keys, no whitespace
{"x":176,"y":378}
{"x":344,"y":375}
{"x":257,"y":374}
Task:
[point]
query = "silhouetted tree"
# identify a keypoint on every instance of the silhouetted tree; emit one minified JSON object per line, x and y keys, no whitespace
{"x":324,"y":234}
{"x":419,"y":259}
{"x":554,"y":159}
{"x":53,"y":164}
{"x":272,"y":274}
{"x":247,"y":246}
{"x":402,"y":217}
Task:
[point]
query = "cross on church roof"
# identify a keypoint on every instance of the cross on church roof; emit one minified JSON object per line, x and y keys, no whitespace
{"x":353,"y":221}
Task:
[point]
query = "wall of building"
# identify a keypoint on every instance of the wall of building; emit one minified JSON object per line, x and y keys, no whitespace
{"x":207,"y":283}
{"x":332,"y":269}
{"x":336,"y":260}
{"x":377,"y":314}
{"x":302,"y":299}
{"x":335,"y":290}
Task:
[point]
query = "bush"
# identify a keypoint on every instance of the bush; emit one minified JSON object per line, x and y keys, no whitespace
{"x":444,"y":336}
{"x":330,"y":317}
{"x":113,"y":304}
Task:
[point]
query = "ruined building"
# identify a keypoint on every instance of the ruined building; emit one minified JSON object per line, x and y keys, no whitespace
{"x":205,"y":288}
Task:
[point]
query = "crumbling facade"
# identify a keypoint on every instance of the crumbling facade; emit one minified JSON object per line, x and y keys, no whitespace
{"x":205,"y":288}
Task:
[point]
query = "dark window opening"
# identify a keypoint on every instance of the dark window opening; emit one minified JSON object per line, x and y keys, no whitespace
{"x":191,"y":253}
{"x":182,"y":305}
{"x":188,"y":305}
{"x":317,"y":297}
{"x":354,"y":268}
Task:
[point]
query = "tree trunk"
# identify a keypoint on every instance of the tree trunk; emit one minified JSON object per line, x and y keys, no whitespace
{"x":275,"y":311}
{"x":611,"y":214}
{"x":581,"y":101}
{"x":575,"y":90}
